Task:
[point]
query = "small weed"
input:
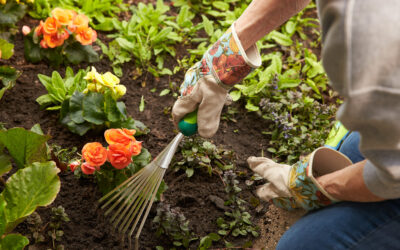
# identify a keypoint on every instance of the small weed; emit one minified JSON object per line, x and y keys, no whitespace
{"x":174,"y":225}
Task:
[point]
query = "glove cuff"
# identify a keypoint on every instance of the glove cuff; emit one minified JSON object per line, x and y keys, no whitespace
{"x":228,"y":62}
{"x":302,"y":178}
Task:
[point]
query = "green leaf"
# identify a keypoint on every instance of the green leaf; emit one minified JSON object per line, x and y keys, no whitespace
{"x":125,"y":44}
{"x":11,"y":12}
{"x":251,"y":107}
{"x":76,"y":107}
{"x":112,"y":111}
{"x":8,"y":75}
{"x":280,"y":38}
{"x":208,"y":26}
{"x":93,"y":108}
{"x":165,"y":92}
{"x":77,"y":53}
{"x":6,"y":48}
{"x":235,"y":94}
{"x":189,"y":172}
{"x":221,"y":5}
{"x":141,"y":105}
{"x":14,"y":242}
{"x":24,"y":146}
{"x":32,"y":50}
{"x":5,"y":163}
{"x":33,"y":186}
{"x":214,"y":236}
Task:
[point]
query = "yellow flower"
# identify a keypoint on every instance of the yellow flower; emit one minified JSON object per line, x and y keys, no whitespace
{"x":120,"y":90}
{"x":110,"y":80}
{"x":3,"y":1}
{"x":94,"y":76}
{"x":91,"y":87}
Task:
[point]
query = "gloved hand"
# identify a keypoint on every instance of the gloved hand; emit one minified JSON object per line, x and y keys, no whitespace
{"x":296,"y":186}
{"x":206,"y":84}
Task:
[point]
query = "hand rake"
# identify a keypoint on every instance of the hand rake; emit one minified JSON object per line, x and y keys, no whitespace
{"x":129,"y":200}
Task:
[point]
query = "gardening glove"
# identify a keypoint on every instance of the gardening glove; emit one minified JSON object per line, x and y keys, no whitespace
{"x":296,"y":186}
{"x":206,"y":84}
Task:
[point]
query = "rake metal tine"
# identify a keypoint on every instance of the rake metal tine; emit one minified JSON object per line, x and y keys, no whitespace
{"x":148,"y":209}
{"x":120,"y":186}
{"x":117,"y":191}
{"x":134,"y":191}
{"x":134,"y":211}
{"x":139,"y":197}
{"x":120,"y":194}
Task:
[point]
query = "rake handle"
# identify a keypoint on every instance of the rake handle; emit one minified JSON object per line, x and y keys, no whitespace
{"x":188,"y":125}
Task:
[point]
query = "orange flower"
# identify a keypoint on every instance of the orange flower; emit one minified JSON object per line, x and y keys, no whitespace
{"x":43,"y":44}
{"x":119,"y":155}
{"x":136,"y":148}
{"x":80,"y":23}
{"x":121,"y":136}
{"x":94,"y":153}
{"x":64,"y":17}
{"x":39,"y":29}
{"x":53,"y":41}
{"x":86,"y":36}
{"x":87,"y":168}
{"x":51,"y":26}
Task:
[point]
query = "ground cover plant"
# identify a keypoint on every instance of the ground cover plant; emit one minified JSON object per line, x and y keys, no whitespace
{"x":283,"y":109}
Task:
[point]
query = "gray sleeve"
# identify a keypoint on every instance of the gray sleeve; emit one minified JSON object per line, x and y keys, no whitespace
{"x":361,"y":55}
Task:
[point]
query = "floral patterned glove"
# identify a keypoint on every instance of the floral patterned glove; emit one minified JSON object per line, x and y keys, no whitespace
{"x":296,"y":186}
{"x":206,"y":84}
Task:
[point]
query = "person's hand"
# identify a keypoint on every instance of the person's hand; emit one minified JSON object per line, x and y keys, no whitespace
{"x":296,"y":186}
{"x":206,"y":84}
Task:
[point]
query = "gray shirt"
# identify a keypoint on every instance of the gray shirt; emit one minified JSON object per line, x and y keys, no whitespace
{"x":361,"y":55}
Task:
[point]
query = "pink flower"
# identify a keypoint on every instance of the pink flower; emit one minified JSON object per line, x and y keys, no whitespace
{"x":26,"y":30}
{"x":73,"y":165}
{"x":87,"y":168}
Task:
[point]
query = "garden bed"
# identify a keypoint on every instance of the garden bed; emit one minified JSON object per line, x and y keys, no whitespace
{"x":88,"y":228}
{"x":256,"y":124}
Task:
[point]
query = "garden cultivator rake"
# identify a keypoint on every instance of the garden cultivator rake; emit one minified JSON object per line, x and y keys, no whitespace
{"x":128,"y":201}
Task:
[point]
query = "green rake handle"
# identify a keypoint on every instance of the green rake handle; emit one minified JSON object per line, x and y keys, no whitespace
{"x":188,"y":125}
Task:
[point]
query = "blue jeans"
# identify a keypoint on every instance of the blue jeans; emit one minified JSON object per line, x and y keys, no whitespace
{"x":347,"y":225}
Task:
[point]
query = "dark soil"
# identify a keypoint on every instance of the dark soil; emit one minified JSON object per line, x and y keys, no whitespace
{"x":89,"y":228}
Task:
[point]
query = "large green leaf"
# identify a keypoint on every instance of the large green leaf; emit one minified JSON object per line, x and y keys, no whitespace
{"x":14,"y":242}
{"x":3,"y":220}
{"x":93,"y":108}
{"x":33,"y":186}
{"x":24,"y":146}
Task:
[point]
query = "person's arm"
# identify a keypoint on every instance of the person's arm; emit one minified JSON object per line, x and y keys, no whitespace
{"x":263,"y":16}
{"x":348,"y":184}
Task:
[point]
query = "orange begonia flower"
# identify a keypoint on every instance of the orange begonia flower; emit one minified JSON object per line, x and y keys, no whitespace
{"x":43,"y":44}
{"x":50,"y":26}
{"x":86,"y":36}
{"x":136,"y":148}
{"x":119,"y":155}
{"x":121,"y":136}
{"x":80,"y":23}
{"x":53,"y":41}
{"x":64,"y":17}
{"x":39,"y":29}
{"x":94,"y":153}
{"x":87,"y":168}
